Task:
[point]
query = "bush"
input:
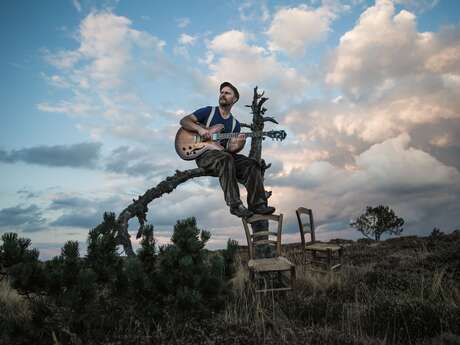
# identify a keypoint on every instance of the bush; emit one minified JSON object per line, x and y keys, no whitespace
{"x":190,"y":279}
{"x":104,"y":296}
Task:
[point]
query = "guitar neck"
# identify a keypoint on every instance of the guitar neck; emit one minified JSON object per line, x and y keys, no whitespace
{"x":219,"y":136}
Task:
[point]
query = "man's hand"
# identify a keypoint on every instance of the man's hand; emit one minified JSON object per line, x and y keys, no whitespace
{"x":237,"y":144}
{"x":204,"y":133}
{"x":241,"y":139}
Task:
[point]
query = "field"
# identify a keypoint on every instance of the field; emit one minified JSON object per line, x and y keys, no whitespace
{"x":400,"y":291}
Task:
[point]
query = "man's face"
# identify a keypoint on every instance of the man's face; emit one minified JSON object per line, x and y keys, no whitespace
{"x":227,"y":96}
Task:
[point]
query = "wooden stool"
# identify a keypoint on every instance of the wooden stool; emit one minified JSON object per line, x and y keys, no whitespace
{"x":266,"y":267}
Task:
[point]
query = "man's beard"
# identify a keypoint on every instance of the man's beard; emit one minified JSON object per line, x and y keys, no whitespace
{"x":223,"y":102}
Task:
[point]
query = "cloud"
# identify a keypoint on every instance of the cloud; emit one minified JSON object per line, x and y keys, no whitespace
{"x":107,"y":41}
{"x":385,"y":47}
{"x":77,"y":5}
{"x":62,"y":59}
{"x":393,"y":79}
{"x":314,"y":175}
{"x":294,"y":29}
{"x":393,"y":165}
{"x":390,"y":163}
{"x":104,"y":73}
{"x":443,"y":140}
{"x":80,"y":211}
{"x":83,"y":155}
{"x":183,"y":22}
{"x":445,"y":61}
{"x":28,"y":218}
{"x":136,"y":162}
{"x":247,"y":65}
{"x":251,"y":10}
{"x":71,"y":202}
{"x":79,"y":106}
{"x":78,"y":220}
{"x":418,"y":5}
{"x":186,"y":39}
{"x":27,"y":194}
{"x":56,"y":80}
{"x":417,"y":185}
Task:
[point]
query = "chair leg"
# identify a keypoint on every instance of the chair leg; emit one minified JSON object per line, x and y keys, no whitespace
{"x":293,"y":277}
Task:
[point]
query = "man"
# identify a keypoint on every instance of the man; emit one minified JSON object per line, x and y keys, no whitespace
{"x":227,"y":164}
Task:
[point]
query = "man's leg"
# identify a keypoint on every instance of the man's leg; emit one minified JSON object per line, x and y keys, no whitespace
{"x":248,"y":173}
{"x":222,"y":164}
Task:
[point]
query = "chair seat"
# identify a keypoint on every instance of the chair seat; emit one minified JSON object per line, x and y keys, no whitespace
{"x":323,"y":247}
{"x":270,"y":264}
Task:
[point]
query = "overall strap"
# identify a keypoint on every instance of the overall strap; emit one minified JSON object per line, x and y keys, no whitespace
{"x":233,"y":128}
{"x":210,"y":116}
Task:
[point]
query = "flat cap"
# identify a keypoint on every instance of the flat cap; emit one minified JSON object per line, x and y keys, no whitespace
{"x":235,"y":90}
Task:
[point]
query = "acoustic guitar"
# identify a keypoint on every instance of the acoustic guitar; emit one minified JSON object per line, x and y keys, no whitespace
{"x":190,"y":145}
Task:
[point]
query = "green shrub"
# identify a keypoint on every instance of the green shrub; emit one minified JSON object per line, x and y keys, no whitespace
{"x":104,"y":296}
{"x":191,"y":281}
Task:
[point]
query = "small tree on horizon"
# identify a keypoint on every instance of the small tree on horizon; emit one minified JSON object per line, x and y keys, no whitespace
{"x":378,"y":220}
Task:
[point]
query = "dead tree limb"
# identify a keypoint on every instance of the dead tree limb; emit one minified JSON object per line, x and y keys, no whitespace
{"x":258,"y":121}
{"x":139,"y":206}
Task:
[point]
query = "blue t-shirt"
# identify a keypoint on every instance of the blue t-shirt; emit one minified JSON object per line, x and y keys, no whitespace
{"x":202,"y":116}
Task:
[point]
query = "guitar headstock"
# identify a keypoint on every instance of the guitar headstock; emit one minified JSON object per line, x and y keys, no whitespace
{"x":276,"y":135}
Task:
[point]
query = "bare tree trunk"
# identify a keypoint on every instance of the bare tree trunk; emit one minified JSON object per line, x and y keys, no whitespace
{"x":258,"y":121}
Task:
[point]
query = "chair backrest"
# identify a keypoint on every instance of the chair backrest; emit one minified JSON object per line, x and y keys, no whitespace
{"x":308,"y":227}
{"x":263,"y":237}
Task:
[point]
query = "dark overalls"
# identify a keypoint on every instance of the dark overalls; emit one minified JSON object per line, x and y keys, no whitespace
{"x":232,"y":168}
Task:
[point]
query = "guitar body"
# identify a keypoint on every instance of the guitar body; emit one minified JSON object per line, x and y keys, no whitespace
{"x":189,"y":145}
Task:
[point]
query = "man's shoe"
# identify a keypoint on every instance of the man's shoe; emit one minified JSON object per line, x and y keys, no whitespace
{"x":241,"y":211}
{"x":264,"y":209}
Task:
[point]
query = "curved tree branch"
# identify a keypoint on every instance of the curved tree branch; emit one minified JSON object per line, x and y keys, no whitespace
{"x":139,"y":208}
{"x":269,"y":118}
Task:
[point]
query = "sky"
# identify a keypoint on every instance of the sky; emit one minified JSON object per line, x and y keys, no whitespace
{"x":368,"y":93}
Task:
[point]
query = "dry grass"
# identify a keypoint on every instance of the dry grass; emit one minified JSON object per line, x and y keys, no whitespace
{"x":392,"y":292}
{"x":13,"y":307}
{"x":403,"y":291}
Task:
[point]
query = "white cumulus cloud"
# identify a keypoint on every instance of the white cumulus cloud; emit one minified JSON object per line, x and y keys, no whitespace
{"x":187,"y":39}
{"x":294,"y":29}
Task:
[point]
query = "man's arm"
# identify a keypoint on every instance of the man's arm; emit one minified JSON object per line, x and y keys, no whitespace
{"x":190,"y":123}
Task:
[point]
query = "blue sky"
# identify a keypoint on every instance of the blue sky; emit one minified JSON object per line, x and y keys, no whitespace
{"x":93,"y":92}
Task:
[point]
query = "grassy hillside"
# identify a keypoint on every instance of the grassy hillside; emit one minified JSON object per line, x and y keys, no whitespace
{"x":399,"y":291}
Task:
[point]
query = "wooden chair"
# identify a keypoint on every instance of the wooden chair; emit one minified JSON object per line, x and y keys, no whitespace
{"x":264,"y":269}
{"x":330,"y":254}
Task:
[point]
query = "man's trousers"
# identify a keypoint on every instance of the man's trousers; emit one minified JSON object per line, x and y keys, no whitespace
{"x":232,"y":168}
